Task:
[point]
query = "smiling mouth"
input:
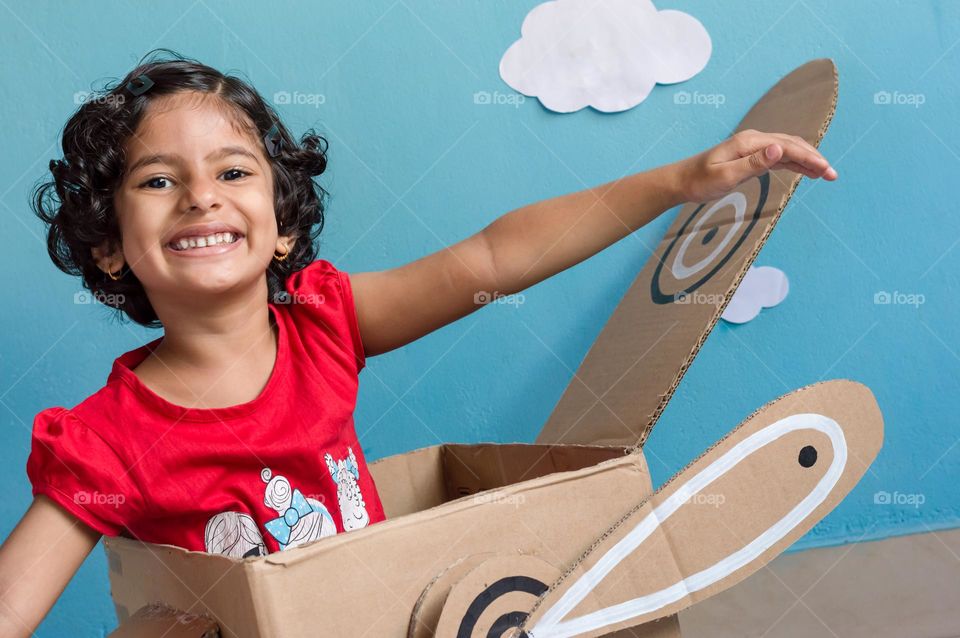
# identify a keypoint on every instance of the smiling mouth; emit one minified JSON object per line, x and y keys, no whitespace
{"x":215,"y":242}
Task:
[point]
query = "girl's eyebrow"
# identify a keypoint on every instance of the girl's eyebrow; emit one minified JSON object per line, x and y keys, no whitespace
{"x":173,"y":158}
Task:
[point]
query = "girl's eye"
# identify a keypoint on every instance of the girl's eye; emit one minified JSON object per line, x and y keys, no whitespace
{"x":152,"y":180}
{"x":241,"y":173}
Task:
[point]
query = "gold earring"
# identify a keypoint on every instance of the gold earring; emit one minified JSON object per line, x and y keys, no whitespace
{"x":281,"y":256}
{"x":115,"y":277}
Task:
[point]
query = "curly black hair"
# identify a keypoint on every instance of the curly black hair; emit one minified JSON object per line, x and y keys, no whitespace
{"x":77,"y":203}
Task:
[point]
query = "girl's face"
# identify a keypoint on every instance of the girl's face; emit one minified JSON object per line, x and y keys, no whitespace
{"x":186,"y":166}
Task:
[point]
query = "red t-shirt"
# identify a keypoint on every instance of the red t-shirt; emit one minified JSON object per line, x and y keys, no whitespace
{"x":279,"y":471}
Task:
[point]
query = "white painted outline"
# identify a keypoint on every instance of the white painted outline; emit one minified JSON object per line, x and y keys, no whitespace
{"x":739,"y":202}
{"x":550,"y":625}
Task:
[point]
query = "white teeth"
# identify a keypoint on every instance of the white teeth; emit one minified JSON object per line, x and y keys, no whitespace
{"x":201,"y":242}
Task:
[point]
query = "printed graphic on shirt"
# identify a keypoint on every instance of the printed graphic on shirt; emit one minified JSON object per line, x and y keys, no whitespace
{"x":233,"y":534}
{"x":353,"y":511}
{"x":301,"y":519}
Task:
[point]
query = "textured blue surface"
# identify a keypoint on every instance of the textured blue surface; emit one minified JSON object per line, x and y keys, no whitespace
{"x":416,"y":164}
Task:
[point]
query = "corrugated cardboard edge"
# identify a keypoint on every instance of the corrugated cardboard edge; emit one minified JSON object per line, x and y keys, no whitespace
{"x":427,"y":609}
{"x":665,"y":398}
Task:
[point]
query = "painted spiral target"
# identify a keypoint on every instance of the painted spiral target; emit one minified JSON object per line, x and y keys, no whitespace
{"x":708,"y":239}
{"x":507,"y":619}
{"x":494,"y":599}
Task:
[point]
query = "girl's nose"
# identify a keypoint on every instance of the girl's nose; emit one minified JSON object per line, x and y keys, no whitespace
{"x":201,"y":195}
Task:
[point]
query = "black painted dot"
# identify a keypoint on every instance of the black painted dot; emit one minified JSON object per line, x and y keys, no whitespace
{"x":710,"y":234}
{"x":808,"y":456}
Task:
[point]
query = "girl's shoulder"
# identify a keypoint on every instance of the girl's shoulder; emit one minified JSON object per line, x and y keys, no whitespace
{"x":320,"y":300}
{"x":320,"y":276}
{"x":74,"y":465}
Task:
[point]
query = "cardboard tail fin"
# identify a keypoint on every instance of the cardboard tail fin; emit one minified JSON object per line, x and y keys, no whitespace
{"x":632,"y":369}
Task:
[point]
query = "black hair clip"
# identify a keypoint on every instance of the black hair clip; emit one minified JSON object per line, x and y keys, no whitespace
{"x":139,"y":85}
{"x":273,"y":141}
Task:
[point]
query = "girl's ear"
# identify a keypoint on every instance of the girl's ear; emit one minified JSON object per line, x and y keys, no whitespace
{"x":285,"y":243}
{"x":107,"y":259}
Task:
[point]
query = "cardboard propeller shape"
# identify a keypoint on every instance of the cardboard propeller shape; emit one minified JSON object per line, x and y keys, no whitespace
{"x":563,"y":537}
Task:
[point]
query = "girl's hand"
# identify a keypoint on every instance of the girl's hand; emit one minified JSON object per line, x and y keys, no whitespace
{"x":717,"y":171}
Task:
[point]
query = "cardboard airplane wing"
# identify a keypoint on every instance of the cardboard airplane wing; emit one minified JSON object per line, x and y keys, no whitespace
{"x":632,"y":369}
{"x":562,"y":537}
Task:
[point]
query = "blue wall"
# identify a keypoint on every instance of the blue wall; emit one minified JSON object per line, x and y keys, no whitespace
{"x":417,"y":165}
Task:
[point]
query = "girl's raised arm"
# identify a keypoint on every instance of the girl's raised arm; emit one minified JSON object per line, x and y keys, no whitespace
{"x":400,"y":305}
{"x":537,"y":241}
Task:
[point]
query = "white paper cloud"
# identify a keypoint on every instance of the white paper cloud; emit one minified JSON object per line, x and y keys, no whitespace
{"x":606,"y":54}
{"x":762,"y":287}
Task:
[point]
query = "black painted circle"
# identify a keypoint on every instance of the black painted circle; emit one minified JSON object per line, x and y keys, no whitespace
{"x":499,"y":588}
{"x":808,"y":456}
{"x":657,"y":294}
{"x":510,"y":620}
{"x":710,"y":235}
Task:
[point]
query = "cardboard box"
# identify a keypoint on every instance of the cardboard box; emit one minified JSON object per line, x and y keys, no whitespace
{"x":443,"y":504}
{"x":564,"y":537}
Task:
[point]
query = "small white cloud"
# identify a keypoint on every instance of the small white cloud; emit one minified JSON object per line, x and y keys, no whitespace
{"x":607,"y":54}
{"x":762,"y":287}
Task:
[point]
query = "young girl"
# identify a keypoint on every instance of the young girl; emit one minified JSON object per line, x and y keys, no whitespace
{"x":183,"y":202}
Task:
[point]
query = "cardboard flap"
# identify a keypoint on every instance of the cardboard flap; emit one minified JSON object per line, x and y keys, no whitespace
{"x":723,"y":517}
{"x":472,"y":468}
{"x":410,"y":482}
{"x":632,"y":369}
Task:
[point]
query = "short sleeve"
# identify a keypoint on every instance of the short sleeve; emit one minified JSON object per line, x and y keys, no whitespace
{"x":323,"y":297}
{"x":72,"y":465}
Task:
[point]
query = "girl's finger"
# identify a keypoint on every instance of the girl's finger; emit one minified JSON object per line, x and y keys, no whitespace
{"x":800,"y":152}
{"x":760,"y":161}
{"x":798,"y":168}
{"x":799,"y":140}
